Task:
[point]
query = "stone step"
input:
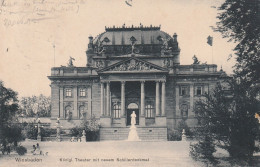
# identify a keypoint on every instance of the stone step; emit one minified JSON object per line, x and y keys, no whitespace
{"x":154,"y":134}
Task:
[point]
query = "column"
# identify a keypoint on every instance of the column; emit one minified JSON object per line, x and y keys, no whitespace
{"x":108,"y":99}
{"x":163,"y":98}
{"x":191,"y":98}
{"x":142,"y":98}
{"x":61,"y":112}
{"x":122,"y":98}
{"x":177,"y":100}
{"x":157,"y":100}
{"x":102,"y":99}
{"x":75,"y":98}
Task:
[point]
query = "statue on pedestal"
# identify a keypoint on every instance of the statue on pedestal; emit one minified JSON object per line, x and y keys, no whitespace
{"x":133,"y":118}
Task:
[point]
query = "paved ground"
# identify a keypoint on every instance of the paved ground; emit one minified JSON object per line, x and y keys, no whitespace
{"x":118,"y":153}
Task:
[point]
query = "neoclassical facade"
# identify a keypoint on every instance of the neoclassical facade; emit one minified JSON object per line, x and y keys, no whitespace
{"x":131,"y":69}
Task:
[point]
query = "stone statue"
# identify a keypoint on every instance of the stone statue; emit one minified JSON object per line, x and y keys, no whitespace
{"x":195,"y":60}
{"x":70,"y":64}
{"x":82,"y":114}
{"x":133,"y":118}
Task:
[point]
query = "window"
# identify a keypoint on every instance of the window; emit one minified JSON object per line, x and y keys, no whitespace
{"x":116,"y":110}
{"x":82,"y":92}
{"x":68,"y":92}
{"x":198,"y":90}
{"x":184,"y":91}
{"x":149,"y":110}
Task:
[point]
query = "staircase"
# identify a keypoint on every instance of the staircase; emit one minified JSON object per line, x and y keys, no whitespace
{"x":144,"y":133}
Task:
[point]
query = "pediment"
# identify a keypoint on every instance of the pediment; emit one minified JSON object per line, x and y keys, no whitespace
{"x":132,"y":65}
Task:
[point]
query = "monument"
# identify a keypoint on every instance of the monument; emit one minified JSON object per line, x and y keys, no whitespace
{"x":133,"y":136}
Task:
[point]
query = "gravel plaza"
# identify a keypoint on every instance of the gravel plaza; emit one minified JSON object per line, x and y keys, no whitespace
{"x":109,"y":153}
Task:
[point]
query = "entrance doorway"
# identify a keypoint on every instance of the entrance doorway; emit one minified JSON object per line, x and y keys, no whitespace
{"x":130,"y":108}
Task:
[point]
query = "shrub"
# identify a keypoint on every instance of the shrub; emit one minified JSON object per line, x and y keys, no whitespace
{"x":203,"y":151}
{"x":76,"y":131}
{"x":46,"y":132}
{"x":21,"y":150}
{"x":176,"y":135}
{"x":31,"y":131}
{"x":90,"y":126}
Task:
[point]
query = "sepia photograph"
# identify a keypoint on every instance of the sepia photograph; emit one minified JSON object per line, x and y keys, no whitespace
{"x":146,"y":83}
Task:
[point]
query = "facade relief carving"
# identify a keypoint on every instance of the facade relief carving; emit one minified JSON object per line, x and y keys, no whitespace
{"x":134,"y":66}
{"x":166,"y":63}
{"x":100,"y":64}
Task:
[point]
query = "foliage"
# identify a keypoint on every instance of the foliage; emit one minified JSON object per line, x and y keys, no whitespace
{"x":10,"y":132}
{"x":176,"y":135}
{"x":227,"y":118}
{"x":35,"y":106}
{"x":32,"y":131}
{"x":91,"y":127}
{"x":13,"y":133}
{"x":203,"y":151}
{"x":239,"y":21}
{"x":21,"y":150}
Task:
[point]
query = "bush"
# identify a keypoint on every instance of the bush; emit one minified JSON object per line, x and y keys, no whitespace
{"x":76,"y":131}
{"x":46,"y":132}
{"x":176,"y":135}
{"x":203,"y":151}
{"x":21,"y":150}
{"x":31,"y":131}
{"x":90,"y":126}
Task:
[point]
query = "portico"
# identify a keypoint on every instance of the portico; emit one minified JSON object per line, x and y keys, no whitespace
{"x":119,"y":89}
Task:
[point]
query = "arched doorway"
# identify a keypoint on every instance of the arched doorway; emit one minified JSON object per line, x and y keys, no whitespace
{"x":130,"y":108}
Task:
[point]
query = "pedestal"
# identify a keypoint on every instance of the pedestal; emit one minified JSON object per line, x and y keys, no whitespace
{"x":123,"y":121}
{"x":142,"y":121}
{"x":160,"y":121}
{"x":83,"y":138}
{"x":39,"y":138}
{"x":105,"y":121}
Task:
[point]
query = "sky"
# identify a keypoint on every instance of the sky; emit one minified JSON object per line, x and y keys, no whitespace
{"x":29,"y":30}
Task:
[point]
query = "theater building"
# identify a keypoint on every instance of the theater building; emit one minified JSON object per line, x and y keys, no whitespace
{"x":131,"y":69}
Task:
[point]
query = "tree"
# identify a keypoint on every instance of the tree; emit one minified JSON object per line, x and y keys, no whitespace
{"x":239,"y":21}
{"x":226,"y":116}
{"x":35,"y":105}
{"x":10,"y":132}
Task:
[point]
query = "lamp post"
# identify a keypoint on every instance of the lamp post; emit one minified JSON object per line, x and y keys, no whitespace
{"x":58,"y":129}
{"x":39,"y":138}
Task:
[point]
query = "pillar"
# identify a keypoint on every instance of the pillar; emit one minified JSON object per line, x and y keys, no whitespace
{"x":177,"y":100}
{"x":122,"y":98}
{"x":157,"y":100}
{"x":108,"y":99}
{"x":163,"y":98}
{"x":142,"y":98}
{"x":191,"y":99}
{"x":102,"y":99}
{"x":61,"y":112}
{"x":75,"y":99}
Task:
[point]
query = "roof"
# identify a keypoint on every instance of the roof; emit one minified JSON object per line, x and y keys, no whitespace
{"x":122,"y":35}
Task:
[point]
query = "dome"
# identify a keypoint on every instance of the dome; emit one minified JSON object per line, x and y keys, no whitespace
{"x":124,"y":35}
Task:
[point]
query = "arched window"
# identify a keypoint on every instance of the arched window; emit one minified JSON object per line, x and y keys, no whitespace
{"x":82,"y":112}
{"x":68,"y":113}
{"x":149,"y":110}
{"x":184,"y":110}
{"x":116,"y":110}
{"x":132,"y":106}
